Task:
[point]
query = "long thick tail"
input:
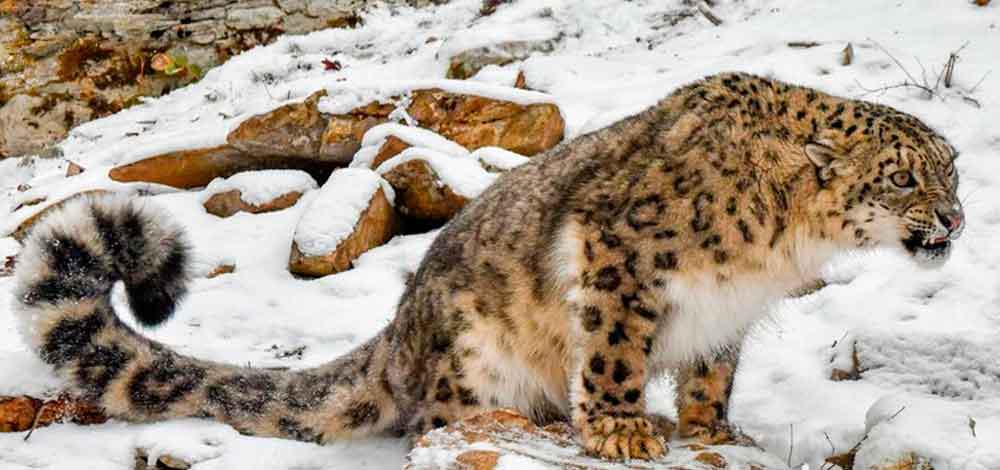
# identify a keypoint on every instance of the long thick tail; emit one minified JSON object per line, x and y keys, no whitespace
{"x":65,"y":275}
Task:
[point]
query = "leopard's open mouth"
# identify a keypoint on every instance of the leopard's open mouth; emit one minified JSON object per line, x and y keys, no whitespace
{"x":920,"y":246}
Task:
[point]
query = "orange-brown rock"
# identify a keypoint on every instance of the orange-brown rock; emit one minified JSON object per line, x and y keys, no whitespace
{"x":476,"y":121}
{"x":20,"y":413}
{"x":393,"y":146}
{"x":483,"y":441}
{"x":220,"y":270}
{"x":712,"y":459}
{"x":420,"y":194}
{"x":343,"y":134}
{"x":196,"y":168}
{"x":478,"y":459}
{"x":376,"y":225}
{"x":230,"y":202}
{"x":184,"y":168}
{"x":24,"y":229}
{"x":300,"y":130}
{"x":293,"y":130}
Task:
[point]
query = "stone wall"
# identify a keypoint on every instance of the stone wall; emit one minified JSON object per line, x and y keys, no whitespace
{"x":65,"y":62}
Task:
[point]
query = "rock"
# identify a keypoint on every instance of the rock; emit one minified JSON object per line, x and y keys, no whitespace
{"x":292,"y":130}
{"x":163,"y":461}
{"x":467,"y":63}
{"x":344,"y":132}
{"x":184,"y":168}
{"x":20,"y":413}
{"x":393,"y":146}
{"x":506,"y":439}
{"x":220,"y":270}
{"x":17,"y":413}
{"x":24,"y":229}
{"x":300,"y":130}
{"x":476,"y":121}
{"x":228,"y":203}
{"x":420,"y":193}
{"x":352,"y":214}
{"x":196,"y":168}
{"x":909,"y":461}
{"x":68,"y":62}
{"x":73,"y":169}
{"x":256,"y":192}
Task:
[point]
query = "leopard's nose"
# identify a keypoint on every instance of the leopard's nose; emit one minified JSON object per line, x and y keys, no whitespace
{"x":953,"y":221}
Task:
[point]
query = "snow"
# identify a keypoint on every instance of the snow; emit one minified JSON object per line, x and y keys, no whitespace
{"x":918,"y":324}
{"x":501,"y":159}
{"x":462,"y":174}
{"x":261,"y":187}
{"x":950,"y":435}
{"x":332,"y":214}
{"x":415,"y":136}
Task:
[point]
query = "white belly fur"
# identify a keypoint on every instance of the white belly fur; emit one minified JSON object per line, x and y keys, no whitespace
{"x":708,"y":315}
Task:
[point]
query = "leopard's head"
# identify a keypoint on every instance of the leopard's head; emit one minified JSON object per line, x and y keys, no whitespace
{"x":896,"y":184}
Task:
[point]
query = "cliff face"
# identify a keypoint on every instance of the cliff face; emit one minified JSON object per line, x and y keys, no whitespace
{"x":65,"y":62}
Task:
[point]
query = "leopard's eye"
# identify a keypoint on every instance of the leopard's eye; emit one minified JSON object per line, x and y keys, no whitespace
{"x":903,"y":179}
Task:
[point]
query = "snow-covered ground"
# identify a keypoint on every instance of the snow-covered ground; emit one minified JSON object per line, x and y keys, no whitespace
{"x":610,"y":60}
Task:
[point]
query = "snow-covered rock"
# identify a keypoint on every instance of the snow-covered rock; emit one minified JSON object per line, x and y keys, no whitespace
{"x":930,"y":434}
{"x":503,"y":439}
{"x":256,"y":191}
{"x":351,"y":214}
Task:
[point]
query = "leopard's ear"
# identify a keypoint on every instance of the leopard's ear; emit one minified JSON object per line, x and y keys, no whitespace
{"x":828,"y":162}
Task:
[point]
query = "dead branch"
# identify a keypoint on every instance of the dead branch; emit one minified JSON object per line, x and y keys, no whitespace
{"x":703,"y":9}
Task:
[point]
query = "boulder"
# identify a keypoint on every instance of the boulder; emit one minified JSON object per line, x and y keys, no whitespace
{"x":477,"y":121}
{"x":351,"y":214}
{"x":198,"y":167}
{"x":420,"y":193}
{"x":300,"y":130}
{"x":467,"y":63}
{"x":506,"y":439}
{"x":256,"y":192}
{"x":184,"y":168}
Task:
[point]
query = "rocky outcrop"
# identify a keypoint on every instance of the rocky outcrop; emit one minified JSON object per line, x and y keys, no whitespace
{"x":505,"y":439}
{"x":67,"y":62}
{"x":300,"y":136}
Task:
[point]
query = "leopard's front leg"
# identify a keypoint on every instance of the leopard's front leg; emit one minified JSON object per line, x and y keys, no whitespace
{"x":612,"y":367}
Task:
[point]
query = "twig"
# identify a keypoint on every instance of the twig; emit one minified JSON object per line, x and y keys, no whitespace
{"x":35,"y":421}
{"x":709,"y":15}
{"x":791,"y":442}
{"x":980,"y":82}
{"x":949,"y":67}
{"x":894,"y":59}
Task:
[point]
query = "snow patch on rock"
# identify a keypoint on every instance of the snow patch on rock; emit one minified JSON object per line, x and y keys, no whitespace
{"x":335,"y":209}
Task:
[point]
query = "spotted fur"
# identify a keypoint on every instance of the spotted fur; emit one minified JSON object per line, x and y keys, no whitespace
{"x":561,"y":291}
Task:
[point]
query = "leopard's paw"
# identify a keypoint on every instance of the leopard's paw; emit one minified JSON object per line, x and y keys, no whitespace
{"x":622,"y":439}
{"x":715,"y":434}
